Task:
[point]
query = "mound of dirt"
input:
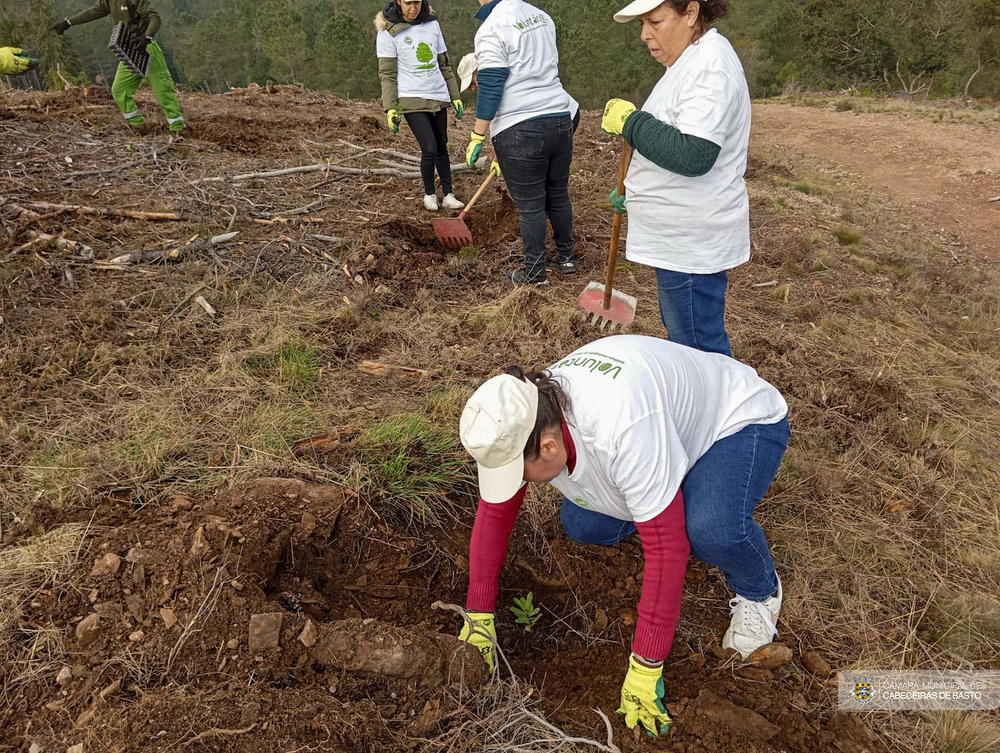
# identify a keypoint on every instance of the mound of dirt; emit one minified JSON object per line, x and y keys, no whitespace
{"x":195,"y":590}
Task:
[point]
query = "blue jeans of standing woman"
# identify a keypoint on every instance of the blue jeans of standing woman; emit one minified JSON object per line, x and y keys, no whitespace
{"x":693,"y":309}
{"x":535,"y":157}
{"x":721,"y":492}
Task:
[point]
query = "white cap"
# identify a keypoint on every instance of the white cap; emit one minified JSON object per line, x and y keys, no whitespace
{"x":636,"y":9}
{"x":466,"y":67}
{"x":495,"y":426}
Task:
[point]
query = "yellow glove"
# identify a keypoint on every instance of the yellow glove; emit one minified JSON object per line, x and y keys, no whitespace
{"x":459,"y":108}
{"x":495,"y":168}
{"x":642,"y":699}
{"x":392,"y":118}
{"x":616,"y":112}
{"x":474,"y":148}
{"x":13,"y":61}
{"x":481,"y":633}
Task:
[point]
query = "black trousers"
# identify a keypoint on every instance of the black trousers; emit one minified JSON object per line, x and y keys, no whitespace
{"x":431,"y":130}
{"x":535,"y":156}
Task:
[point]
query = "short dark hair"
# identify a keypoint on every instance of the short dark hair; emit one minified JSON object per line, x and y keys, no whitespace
{"x":552,"y":403}
{"x":708,"y":10}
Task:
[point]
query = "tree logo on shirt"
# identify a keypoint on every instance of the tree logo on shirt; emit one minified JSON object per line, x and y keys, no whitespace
{"x":424,"y":55}
{"x":581,"y":502}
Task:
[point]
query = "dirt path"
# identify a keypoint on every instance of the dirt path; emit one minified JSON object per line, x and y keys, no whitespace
{"x":941,"y":174}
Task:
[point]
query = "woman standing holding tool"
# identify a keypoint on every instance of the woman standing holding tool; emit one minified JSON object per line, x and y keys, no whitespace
{"x":144,"y":21}
{"x":689,"y":215}
{"x":419,"y":85}
{"x":523,"y":104}
{"x":639,"y":434}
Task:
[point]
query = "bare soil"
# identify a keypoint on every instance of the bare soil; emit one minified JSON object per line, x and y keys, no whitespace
{"x":941,"y":174}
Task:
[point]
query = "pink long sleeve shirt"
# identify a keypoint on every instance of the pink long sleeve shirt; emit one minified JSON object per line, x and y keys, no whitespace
{"x":665,"y":546}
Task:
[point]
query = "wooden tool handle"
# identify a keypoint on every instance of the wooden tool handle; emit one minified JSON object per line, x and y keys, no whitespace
{"x":476,"y":195}
{"x":616,"y":225}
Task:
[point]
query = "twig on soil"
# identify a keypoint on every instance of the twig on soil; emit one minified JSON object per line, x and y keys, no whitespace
{"x":43,"y":239}
{"x":206,"y":607}
{"x":995,"y":198}
{"x":217,"y":731}
{"x":109,"y":212}
{"x":209,"y":309}
{"x":374,"y":368}
{"x":173,"y":254}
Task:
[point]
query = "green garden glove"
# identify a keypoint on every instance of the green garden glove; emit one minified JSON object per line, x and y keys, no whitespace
{"x":616,"y":112}
{"x":642,"y":699}
{"x":474,"y":148}
{"x":392,"y":118}
{"x":13,"y":61}
{"x":617,"y":202}
{"x":495,"y":168}
{"x":459,"y":108}
{"x":485,"y":629}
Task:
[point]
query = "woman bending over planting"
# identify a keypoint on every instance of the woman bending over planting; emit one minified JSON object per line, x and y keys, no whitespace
{"x":419,"y":85}
{"x":688,"y":212}
{"x":639,"y":434}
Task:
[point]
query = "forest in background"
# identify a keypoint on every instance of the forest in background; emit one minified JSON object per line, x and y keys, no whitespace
{"x":932,"y":47}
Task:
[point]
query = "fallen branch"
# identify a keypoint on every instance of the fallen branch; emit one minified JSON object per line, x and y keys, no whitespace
{"x":41,"y":240}
{"x":995,"y":198}
{"x":390,"y":152}
{"x":276,"y":220}
{"x":109,"y":212}
{"x":456,"y":167}
{"x":300,"y":210}
{"x":385,"y":369}
{"x":173,"y":254}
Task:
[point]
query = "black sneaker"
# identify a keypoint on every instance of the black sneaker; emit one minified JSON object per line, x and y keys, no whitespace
{"x":565,"y":267}
{"x":519,"y":277}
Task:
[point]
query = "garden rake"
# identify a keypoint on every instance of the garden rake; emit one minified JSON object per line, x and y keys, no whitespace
{"x":452,"y":231}
{"x":605,"y":304}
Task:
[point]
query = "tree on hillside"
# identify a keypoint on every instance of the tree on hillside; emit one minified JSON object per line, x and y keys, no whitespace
{"x":983,"y":25}
{"x":345,"y":58}
{"x":278,"y":25}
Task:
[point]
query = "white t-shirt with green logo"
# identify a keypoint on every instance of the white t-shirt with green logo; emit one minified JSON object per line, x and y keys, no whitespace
{"x":696,"y":225}
{"x":644,"y":411}
{"x":416,"y":50}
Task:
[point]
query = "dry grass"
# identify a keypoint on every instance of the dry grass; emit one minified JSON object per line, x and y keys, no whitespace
{"x":32,"y":565}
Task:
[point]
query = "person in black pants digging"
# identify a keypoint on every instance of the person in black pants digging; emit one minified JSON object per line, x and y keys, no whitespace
{"x":418,"y":84}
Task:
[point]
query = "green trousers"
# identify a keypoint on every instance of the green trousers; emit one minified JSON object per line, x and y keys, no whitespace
{"x":127,"y":84}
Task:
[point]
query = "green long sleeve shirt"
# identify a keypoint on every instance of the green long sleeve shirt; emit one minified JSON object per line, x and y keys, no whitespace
{"x":147,"y":20}
{"x":665,"y":146}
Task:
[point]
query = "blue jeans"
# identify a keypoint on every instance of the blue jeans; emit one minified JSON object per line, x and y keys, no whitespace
{"x":721,"y":492}
{"x":693,"y":309}
{"x":535,"y":156}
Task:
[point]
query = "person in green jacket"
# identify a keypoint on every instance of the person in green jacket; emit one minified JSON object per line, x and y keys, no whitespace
{"x":145,"y":22}
{"x":418,"y":84}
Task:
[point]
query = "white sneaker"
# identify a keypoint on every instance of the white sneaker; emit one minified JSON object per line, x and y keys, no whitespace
{"x":450,"y":202}
{"x":431,"y":202}
{"x":754,"y":623}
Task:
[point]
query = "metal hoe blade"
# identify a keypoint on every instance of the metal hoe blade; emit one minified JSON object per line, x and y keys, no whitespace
{"x":453,"y":233}
{"x":619,"y":314}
